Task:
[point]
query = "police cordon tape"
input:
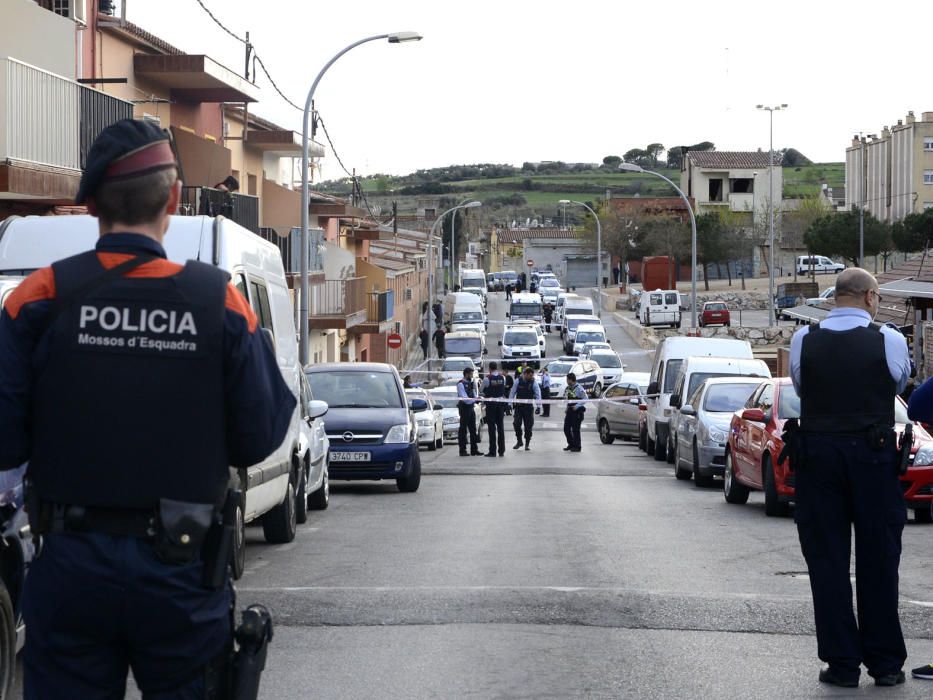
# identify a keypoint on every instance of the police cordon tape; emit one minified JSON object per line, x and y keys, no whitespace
{"x":536,"y":402}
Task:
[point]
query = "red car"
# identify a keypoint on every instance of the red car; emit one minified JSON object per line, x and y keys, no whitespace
{"x":714,"y":313}
{"x":755,"y":443}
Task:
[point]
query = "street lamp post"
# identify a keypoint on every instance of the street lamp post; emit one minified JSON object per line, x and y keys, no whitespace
{"x":632,"y":168}
{"x":394,"y":38}
{"x":453,"y":246}
{"x":431,"y":266}
{"x":771,"y":111}
{"x":599,"y":249}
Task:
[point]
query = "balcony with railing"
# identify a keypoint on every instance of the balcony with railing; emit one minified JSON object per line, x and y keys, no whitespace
{"x":339,"y":304}
{"x":207,"y":201}
{"x":47,"y":126}
{"x":380,"y":312}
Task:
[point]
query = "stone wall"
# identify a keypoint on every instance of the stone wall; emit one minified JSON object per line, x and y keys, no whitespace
{"x":738,"y":299}
{"x":649,"y":337}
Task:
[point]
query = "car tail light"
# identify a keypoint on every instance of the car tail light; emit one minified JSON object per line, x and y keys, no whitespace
{"x":642,"y":407}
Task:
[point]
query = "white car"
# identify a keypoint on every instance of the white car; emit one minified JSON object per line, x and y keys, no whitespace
{"x":430,"y":422}
{"x":587,"y":333}
{"x":591,"y":346}
{"x":452,"y":368}
{"x":609,"y":363}
{"x":818,"y":264}
{"x":520,"y":345}
{"x":828,"y":294}
{"x":313,"y":454}
{"x":446,"y":398}
{"x":536,"y":327}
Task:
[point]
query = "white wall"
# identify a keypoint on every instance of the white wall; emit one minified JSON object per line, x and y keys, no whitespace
{"x":38,"y":37}
{"x":338,"y":263}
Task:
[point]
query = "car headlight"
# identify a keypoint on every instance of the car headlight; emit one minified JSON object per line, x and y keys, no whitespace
{"x":924,"y":457}
{"x":451,"y":420}
{"x":425,"y":422}
{"x":716,"y":434}
{"x":399,"y":434}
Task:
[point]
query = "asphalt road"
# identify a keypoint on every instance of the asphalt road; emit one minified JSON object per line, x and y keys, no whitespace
{"x":546,"y":575}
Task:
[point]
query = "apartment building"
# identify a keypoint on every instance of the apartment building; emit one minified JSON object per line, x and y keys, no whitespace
{"x":891,"y":174}
{"x":733,"y":180}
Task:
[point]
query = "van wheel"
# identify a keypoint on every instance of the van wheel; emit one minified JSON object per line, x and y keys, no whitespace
{"x":649,"y":444}
{"x":606,"y":437}
{"x":660,"y":451}
{"x":301,"y":498}
{"x":670,"y":452}
{"x":643,"y":440}
{"x":735,"y":492}
{"x":320,"y":499}
{"x":279,"y":525}
{"x":238,"y":551}
{"x":7,"y":643}
{"x":923,"y":515}
{"x":700,"y":480}
{"x":773,"y":507}
{"x":410,"y":483}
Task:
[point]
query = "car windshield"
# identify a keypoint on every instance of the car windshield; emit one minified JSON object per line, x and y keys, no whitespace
{"x":445,"y":399}
{"x":606,"y":360}
{"x":725,"y":398}
{"x":510,"y":276}
{"x":715,"y":307}
{"x":559,"y":369}
{"x":463,"y":346}
{"x":520,"y":338}
{"x":698,"y":378}
{"x":549,"y":282}
{"x":343,"y":389}
{"x":456,"y":365}
{"x":466,"y":316}
{"x":525,"y":309}
{"x":573,"y":322}
{"x":587,"y":336}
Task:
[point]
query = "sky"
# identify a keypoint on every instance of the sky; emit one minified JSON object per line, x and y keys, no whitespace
{"x":515,"y":80}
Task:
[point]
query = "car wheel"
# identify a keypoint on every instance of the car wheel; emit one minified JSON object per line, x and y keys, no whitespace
{"x":238,"y":552}
{"x":728,"y":323}
{"x":660,"y":451}
{"x":643,"y":440}
{"x":439,"y":442}
{"x":670,"y":452}
{"x":432,"y":446}
{"x":923,"y":515}
{"x":410,"y":483}
{"x":7,"y":643}
{"x":734,"y":491}
{"x":301,"y":498}
{"x":649,"y":444}
{"x":773,"y":507}
{"x":597,"y":390}
{"x":279,"y":525}
{"x":679,"y":472}
{"x":320,"y":499}
{"x":606,"y":437}
{"x":699,"y":480}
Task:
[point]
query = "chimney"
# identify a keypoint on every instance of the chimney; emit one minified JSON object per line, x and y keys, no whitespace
{"x":928,"y":117}
{"x":910,"y":117}
{"x":900,"y":122}
{"x":886,"y":133}
{"x":856,"y":141}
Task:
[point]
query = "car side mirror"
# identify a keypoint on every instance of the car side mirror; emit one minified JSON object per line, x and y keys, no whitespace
{"x":687,"y":410}
{"x":675,"y":400}
{"x":500,"y":343}
{"x":438,"y":407}
{"x":508,"y":315}
{"x":418,"y":405}
{"x":755,"y":415}
{"x":653,"y":388}
{"x":634,"y":401}
{"x":316,"y":408}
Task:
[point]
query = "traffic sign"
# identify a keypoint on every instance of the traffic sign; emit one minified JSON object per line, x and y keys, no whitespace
{"x":394,"y":341}
{"x":530,"y":263}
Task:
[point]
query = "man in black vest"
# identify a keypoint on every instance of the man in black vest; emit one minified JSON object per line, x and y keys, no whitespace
{"x":847,"y":371}
{"x":494,"y":387}
{"x":526,"y":389}
{"x":466,"y":391}
{"x":129,"y":443}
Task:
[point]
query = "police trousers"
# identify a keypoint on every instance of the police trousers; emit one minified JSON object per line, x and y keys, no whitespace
{"x":524,"y":420}
{"x":495,"y":423}
{"x":572,"y":421}
{"x":467,"y":425}
{"x":843,"y":484}
{"x":546,"y":407}
{"x":96,"y":606}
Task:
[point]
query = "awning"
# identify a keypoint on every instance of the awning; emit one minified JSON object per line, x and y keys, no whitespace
{"x":195,"y":78}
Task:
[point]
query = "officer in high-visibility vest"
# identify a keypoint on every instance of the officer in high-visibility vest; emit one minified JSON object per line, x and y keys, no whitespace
{"x":525,"y":388}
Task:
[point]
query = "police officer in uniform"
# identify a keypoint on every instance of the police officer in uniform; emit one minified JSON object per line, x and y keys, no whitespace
{"x":466,"y":391}
{"x":129,"y":443}
{"x":573,"y":418}
{"x":847,"y":475}
{"x":545,"y":392}
{"x":494,"y":387}
{"x":527,"y":389}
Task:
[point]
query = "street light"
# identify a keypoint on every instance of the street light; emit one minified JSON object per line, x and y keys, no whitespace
{"x":632,"y":168}
{"x":394,"y":38}
{"x":771,"y":110}
{"x":453,"y":245}
{"x":431,"y":266}
{"x":599,"y":249}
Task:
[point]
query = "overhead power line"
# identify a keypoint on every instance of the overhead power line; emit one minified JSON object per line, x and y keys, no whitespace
{"x":219,"y":23}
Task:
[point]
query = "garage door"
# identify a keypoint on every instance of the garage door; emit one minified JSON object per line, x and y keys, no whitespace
{"x":580,"y":272}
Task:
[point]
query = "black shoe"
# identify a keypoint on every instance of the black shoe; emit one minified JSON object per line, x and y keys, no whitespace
{"x":502,"y":454}
{"x":827,"y":675}
{"x":490,"y":454}
{"x":464,"y":454}
{"x":476,"y":453}
{"x":575,"y":449}
{"x":890,"y":679}
{"x":527,"y":447}
{"x":568,"y":448}
{"x":924,"y":672}
{"x":517,"y":445}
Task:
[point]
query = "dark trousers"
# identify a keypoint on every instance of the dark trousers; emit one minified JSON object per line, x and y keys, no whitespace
{"x":546,"y":408}
{"x":524,"y":420}
{"x":495,"y":420}
{"x":440,"y":351}
{"x":841,"y":483}
{"x":572,"y":420}
{"x":467,"y":424}
{"x":96,"y":606}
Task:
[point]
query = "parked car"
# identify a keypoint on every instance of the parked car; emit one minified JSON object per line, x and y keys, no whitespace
{"x":490,"y":281}
{"x":587,"y":333}
{"x":609,"y":364}
{"x":571,"y":323}
{"x":313,"y":455}
{"x":592,"y":345}
{"x":570,"y":306}
{"x":828,"y":294}
{"x":703,"y":426}
{"x":369,"y":422}
{"x":818,"y":264}
{"x":715,"y":313}
{"x":520,"y":346}
{"x":446,"y":398}
{"x":452,"y":367}
{"x":617,"y":416}
{"x":587,"y":372}
{"x":755,"y":442}
{"x":429,"y":421}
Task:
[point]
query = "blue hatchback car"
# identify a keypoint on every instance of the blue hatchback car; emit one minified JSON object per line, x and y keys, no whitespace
{"x":369,"y":421}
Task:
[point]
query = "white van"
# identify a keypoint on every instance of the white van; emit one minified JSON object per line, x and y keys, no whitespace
{"x":461,"y":301}
{"x":665,"y":371}
{"x":270,"y":487}
{"x":574,"y":305}
{"x":474,"y":282}
{"x":520,"y":346}
{"x":660,"y":308}
{"x":466,"y":344}
{"x":526,"y":307}
{"x":695,"y":371}
{"x":818,"y":264}
{"x":587,"y":333}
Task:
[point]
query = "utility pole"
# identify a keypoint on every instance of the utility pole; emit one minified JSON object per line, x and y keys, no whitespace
{"x":863,"y":184}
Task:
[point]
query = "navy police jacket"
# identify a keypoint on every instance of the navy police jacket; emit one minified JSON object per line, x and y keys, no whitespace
{"x":148,"y":388}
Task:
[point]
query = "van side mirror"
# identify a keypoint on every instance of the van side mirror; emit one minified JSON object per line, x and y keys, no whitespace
{"x":508,"y":315}
{"x":653,"y":388}
{"x":675,"y":400}
{"x":316,"y":408}
{"x":500,"y":343}
{"x":418,"y":405}
{"x":687,"y":410}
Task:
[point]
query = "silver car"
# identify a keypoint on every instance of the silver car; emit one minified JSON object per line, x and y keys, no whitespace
{"x":617,"y":415}
{"x":703,"y":429}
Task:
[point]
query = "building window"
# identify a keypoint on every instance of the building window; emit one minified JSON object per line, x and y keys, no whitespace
{"x":928,"y":177}
{"x":928,"y":143}
{"x":715,"y":190}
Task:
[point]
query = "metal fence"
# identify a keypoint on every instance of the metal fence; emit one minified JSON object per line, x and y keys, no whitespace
{"x":51,"y":120}
{"x":240,"y":208}
{"x":338,"y":297}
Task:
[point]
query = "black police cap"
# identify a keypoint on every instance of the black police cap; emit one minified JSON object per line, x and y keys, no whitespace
{"x":127,"y":148}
